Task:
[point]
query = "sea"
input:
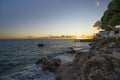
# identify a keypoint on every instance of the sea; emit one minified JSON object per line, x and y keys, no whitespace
{"x":18,"y":57}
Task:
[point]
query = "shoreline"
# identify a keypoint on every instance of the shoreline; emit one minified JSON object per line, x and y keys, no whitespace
{"x":30,"y":69}
{"x":101,"y":62}
{"x":66,"y":70}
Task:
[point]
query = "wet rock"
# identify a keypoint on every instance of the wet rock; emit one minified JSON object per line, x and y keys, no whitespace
{"x":40,"y":45}
{"x":49,"y":63}
{"x":71,"y":51}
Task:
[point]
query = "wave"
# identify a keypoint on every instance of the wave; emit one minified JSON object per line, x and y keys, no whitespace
{"x":30,"y":72}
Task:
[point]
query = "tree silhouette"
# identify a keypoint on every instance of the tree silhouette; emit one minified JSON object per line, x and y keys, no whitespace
{"x":111,"y":17}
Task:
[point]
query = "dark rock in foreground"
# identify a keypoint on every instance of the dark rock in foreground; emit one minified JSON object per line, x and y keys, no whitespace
{"x":97,"y":66}
{"x":49,"y":63}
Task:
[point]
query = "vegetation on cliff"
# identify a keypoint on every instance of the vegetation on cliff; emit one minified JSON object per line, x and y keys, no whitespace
{"x":111,"y":17}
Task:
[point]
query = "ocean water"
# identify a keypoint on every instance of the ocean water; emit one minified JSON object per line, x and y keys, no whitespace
{"x":18,"y":57}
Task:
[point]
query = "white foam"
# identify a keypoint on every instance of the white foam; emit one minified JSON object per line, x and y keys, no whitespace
{"x":66,"y":57}
{"x":31,"y":72}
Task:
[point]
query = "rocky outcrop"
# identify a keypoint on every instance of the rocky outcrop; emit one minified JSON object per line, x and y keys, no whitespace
{"x":101,"y":62}
{"x":49,"y":63}
{"x":99,"y":66}
{"x":107,"y":43}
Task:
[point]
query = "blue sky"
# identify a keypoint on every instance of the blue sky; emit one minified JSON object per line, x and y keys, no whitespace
{"x":49,"y":17}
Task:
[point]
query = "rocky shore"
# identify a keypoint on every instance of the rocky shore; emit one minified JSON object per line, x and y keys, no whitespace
{"x":101,"y":62}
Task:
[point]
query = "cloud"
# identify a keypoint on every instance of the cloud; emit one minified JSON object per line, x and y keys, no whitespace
{"x":97,"y":25}
{"x":97,"y":3}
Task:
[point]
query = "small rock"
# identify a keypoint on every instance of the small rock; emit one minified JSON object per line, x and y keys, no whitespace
{"x":71,"y":51}
{"x":40,"y":45}
{"x":70,"y":47}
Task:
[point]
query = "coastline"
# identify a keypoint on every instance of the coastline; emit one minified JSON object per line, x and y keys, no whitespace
{"x":98,"y":61}
{"x":66,"y":54}
{"x":101,"y":62}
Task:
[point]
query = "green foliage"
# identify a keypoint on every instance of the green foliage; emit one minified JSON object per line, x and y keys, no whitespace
{"x":107,"y":28}
{"x":115,"y":19}
{"x":111,"y":17}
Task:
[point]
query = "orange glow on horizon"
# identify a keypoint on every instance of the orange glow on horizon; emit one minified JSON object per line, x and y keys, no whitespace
{"x":37,"y":36}
{"x":87,"y":36}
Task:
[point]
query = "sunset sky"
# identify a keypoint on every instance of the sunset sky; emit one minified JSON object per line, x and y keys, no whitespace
{"x":39,"y":18}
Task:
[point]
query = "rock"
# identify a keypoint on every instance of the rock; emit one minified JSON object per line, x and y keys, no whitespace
{"x":42,"y":60}
{"x":113,"y":45}
{"x":103,"y":65}
{"x":40,"y":45}
{"x":118,"y":40}
{"x":101,"y":62}
{"x":71,"y":51}
{"x":79,"y":61}
{"x":70,"y":47}
{"x":49,"y":63}
{"x":65,"y":72}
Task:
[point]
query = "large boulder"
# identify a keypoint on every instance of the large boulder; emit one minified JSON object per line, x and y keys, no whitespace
{"x":103,"y":65}
{"x":49,"y":63}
